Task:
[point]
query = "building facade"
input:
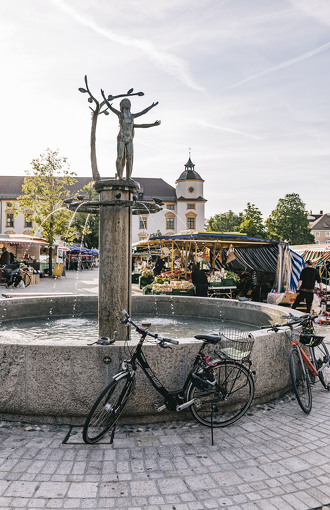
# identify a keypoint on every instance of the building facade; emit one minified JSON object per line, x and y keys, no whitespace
{"x":183,"y":209}
{"x":320,"y":227}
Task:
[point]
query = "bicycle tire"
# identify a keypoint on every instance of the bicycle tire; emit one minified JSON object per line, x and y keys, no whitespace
{"x":232,"y":396}
{"x":107,"y":409}
{"x":300,"y":382}
{"x":26,"y":279}
{"x":321,"y":355}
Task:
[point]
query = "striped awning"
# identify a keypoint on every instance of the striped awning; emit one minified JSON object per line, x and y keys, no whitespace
{"x":317,"y":257}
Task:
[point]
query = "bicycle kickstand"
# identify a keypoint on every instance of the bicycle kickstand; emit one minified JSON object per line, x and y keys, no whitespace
{"x":112,"y":434}
{"x":213,"y":409}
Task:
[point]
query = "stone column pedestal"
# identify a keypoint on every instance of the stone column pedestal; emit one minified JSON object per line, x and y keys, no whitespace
{"x":115,"y":247}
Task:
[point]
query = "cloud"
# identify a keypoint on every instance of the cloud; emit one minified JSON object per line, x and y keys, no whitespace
{"x":288,"y":63}
{"x":172,"y":65}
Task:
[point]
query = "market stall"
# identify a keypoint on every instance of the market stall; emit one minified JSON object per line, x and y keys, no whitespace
{"x":26,"y":250}
{"x":80,"y":257}
{"x":251,"y":262}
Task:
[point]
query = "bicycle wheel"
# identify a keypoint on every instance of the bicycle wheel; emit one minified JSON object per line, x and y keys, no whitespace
{"x":321,"y":356}
{"x":228,"y":400}
{"x":300,"y":381}
{"x":107,"y":409}
{"x":26,"y":279}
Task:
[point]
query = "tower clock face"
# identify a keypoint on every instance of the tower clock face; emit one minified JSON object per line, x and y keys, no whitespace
{"x":191,"y":189}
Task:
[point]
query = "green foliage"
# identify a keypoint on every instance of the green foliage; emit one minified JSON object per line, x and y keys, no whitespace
{"x":157,"y":234}
{"x":45,"y":189}
{"x":86,"y":226}
{"x":252,"y":223}
{"x":288,"y":222}
{"x":224,"y":222}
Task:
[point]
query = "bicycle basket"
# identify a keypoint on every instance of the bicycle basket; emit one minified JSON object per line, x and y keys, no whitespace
{"x":235,"y":344}
{"x":311,"y":340}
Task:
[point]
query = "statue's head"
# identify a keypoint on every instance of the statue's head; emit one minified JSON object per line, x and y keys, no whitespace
{"x":125,"y":103}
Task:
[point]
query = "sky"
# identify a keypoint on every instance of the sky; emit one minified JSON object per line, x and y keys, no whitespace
{"x":242,"y":84}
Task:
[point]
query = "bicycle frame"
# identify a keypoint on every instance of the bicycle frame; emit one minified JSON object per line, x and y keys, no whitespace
{"x":307,"y":357}
{"x":138,"y":356}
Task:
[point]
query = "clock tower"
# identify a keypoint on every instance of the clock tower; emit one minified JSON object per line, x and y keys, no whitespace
{"x":190,"y":200}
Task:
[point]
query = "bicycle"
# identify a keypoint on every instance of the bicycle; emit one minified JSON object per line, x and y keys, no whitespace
{"x":8,"y":276}
{"x":308,"y":361}
{"x":217,"y":391}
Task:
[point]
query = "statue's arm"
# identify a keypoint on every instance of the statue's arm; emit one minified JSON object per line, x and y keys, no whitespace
{"x":109,"y":105}
{"x":145,"y":111}
{"x":147,"y":125}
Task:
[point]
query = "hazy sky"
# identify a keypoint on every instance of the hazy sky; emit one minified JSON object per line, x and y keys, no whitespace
{"x":244,"y":83}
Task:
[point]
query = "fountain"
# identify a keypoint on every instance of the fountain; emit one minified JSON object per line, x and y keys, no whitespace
{"x":57,"y":382}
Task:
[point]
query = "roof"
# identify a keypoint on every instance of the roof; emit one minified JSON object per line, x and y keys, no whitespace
{"x":189,"y":174}
{"x":11,"y":187}
{"x":199,"y":199}
{"x":322,"y":223}
{"x":22,"y":239}
{"x":211,"y":238}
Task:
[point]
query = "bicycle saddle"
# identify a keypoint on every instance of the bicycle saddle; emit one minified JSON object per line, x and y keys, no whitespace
{"x":211,"y":339}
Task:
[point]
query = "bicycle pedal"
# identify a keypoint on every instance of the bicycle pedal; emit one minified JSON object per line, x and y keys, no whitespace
{"x":159,"y":407}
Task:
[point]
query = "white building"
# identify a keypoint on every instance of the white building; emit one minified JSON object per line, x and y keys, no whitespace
{"x":183,"y":209}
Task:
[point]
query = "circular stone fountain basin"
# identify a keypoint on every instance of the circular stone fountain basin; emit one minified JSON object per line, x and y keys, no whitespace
{"x":58,"y":381}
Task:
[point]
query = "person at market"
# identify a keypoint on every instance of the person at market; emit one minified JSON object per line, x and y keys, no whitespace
{"x":308,"y":276}
{"x":159,"y":266}
{"x":5,"y":257}
{"x":199,"y":279}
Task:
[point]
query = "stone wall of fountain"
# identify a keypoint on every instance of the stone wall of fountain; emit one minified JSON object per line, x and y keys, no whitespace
{"x":58,"y":382}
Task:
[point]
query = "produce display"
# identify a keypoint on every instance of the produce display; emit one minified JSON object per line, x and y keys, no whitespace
{"x":165,"y":286}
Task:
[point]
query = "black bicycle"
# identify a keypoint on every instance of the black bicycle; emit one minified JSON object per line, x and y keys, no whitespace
{"x":218,"y":390}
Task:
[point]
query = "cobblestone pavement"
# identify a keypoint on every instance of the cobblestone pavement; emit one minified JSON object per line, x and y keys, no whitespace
{"x":275,"y":458}
{"x":75,"y":282}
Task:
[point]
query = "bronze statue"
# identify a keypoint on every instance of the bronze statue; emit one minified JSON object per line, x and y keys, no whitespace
{"x":126,"y":131}
{"x":126,"y":134}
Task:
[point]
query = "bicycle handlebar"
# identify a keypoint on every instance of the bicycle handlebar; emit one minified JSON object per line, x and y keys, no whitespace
{"x":142,"y":330}
{"x":293,"y":320}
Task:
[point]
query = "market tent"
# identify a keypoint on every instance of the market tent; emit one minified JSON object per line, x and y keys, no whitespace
{"x":11,"y":239}
{"x":82,"y":249}
{"x":235,"y":251}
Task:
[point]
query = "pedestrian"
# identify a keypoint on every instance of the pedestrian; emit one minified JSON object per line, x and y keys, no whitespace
{"x":199,"y":279}
{"x":5,"y":257}
{"x":159,"y":266}
{"x":308,"y":276}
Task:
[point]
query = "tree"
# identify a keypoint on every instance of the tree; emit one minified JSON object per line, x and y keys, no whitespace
{"x":288,"y":222}
{"x":224,"y":222}
{"x":86,"y":225}
{"x":252,"y":223}
{"x":45,"y":189}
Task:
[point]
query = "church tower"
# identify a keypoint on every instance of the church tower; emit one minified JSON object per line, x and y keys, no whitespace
{"x":190,"y":201}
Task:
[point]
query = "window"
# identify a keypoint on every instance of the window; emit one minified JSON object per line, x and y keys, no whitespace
{"x":317,"y":234}
{"x":143,"y":222}
{"x":28,"y":222}
{"x":10,"y":220}
{"x":170,"y":206}
{"x":191,"y":223}
{"x":170,"y":223}
{"x":327,"y":234}
{"x":190,"y":206}
{"x":191,"y":189}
